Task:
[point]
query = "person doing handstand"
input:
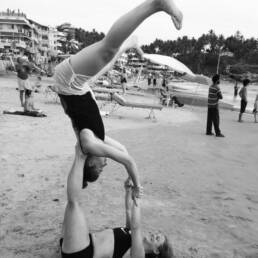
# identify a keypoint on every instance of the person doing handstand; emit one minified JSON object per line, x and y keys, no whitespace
{"x":78,"y":242}
{"x":72,"y":83}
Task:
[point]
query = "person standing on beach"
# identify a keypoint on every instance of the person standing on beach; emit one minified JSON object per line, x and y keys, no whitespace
{"x":23,"y":70}
{"x":123,"y":80}
{"x":236,"y":90}
{"x":72,"y":79}
{"x":243,"y":96}
{"x":213,"y":107}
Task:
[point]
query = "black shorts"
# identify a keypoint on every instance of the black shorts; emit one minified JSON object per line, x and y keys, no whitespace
{"x":243,"y":106}
{"x":84,"y":113}
{"x":86,"y":252}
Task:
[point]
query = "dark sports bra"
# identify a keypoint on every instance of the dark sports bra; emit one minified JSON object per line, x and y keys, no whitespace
{"x":122,"y":237}
{"x":122,"y":242}
{"x":85,"y":253}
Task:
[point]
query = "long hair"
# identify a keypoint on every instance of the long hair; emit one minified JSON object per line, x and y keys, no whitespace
{"x":89,"y":173}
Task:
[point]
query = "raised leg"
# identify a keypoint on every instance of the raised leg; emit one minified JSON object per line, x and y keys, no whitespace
{"x":93,"y":58}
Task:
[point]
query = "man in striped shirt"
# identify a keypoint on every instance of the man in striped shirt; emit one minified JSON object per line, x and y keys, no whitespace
{"x":213,"y":107}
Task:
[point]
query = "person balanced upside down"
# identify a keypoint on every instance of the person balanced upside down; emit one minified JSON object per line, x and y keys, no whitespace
{"x":72,"y":83}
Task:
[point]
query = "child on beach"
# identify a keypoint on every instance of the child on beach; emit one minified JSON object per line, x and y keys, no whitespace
{"x":255,"y":110}
{"x":72,"y":78}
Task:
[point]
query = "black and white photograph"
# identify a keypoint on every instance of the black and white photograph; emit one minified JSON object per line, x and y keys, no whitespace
{"x":128,"y":129}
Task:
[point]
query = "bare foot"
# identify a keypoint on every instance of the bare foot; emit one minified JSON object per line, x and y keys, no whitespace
{"x":170,"y":8}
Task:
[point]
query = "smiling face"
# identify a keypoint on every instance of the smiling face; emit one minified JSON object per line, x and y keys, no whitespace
{"x":154,"y":241}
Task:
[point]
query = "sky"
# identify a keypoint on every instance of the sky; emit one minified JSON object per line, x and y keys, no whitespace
{"x":223,"y":16}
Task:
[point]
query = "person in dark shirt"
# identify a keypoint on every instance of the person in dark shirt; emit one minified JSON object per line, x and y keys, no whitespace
{"x":23,"y":70}
{"x":213,"y":107}
{"x":129,"y":241}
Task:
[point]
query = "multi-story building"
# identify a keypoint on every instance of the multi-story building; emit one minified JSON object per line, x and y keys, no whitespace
{"x":15,"y":32}
{"x":40,"y":41}
{"x":19,"y":35}
{"x":61,"y":40}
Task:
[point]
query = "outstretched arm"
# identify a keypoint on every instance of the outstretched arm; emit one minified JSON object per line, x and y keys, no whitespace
{"x":137,"y":248}
{"x":128,"y":201}
{"x":75,"y":227}
{"x":75,"y":176}
{"x":95,"y":57}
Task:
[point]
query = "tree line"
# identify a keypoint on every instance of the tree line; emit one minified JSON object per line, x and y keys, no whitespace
{"x":238,"y":54}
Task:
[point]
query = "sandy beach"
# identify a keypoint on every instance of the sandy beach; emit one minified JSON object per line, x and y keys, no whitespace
{"x":200,"y":190}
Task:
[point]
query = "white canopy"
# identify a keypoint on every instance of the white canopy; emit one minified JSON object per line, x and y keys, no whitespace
{"x":170,"y":62}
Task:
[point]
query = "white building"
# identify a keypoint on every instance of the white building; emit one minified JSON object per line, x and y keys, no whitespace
{"x":15,"y":32}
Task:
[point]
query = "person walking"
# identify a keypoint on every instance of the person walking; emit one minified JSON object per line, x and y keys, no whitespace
{"x":213,"y":107}
{"x":243,"y":96}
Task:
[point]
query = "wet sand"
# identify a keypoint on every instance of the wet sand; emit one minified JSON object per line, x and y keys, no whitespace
{"x":200,"y":190}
